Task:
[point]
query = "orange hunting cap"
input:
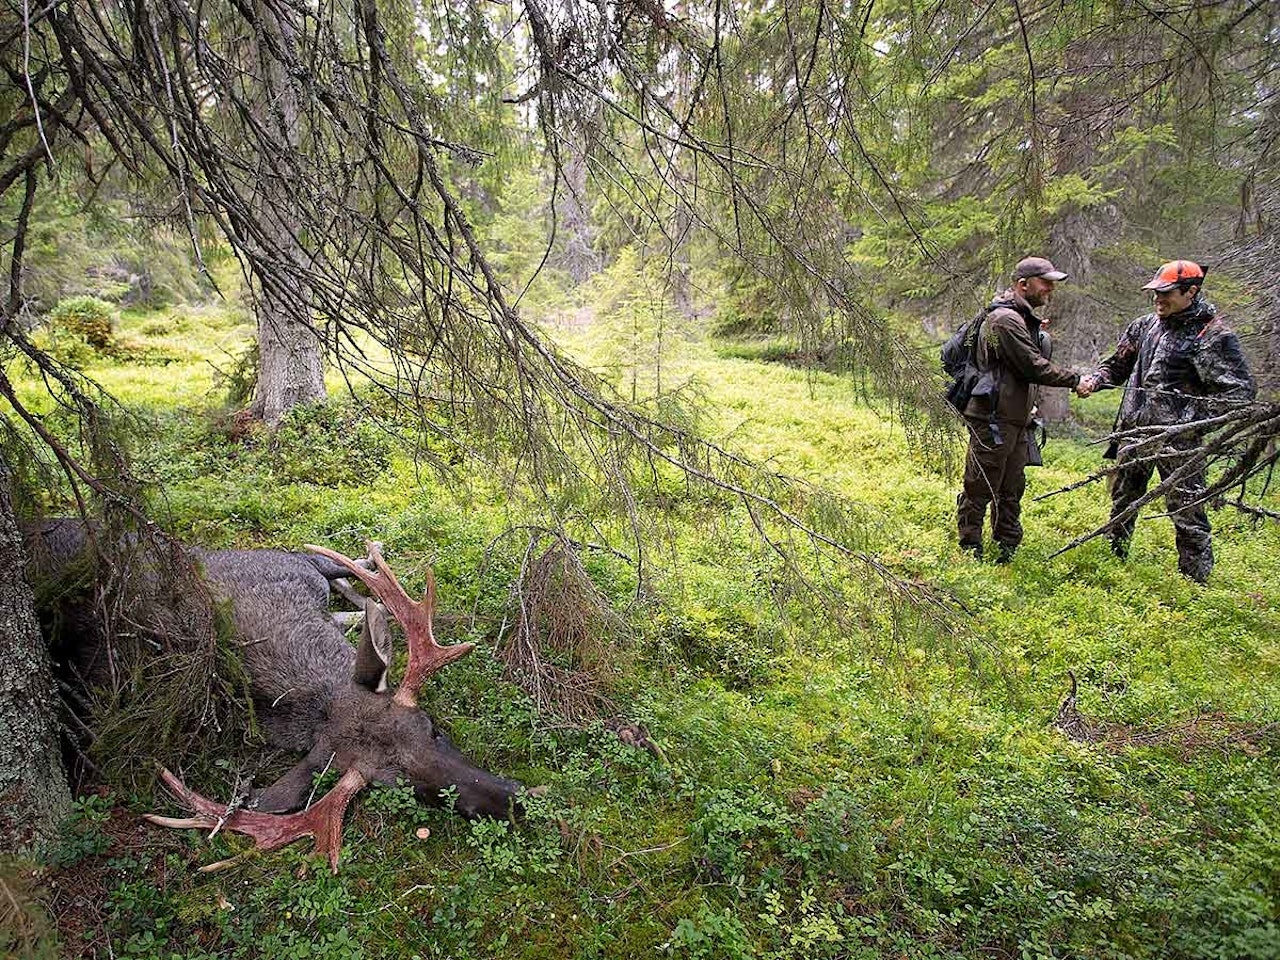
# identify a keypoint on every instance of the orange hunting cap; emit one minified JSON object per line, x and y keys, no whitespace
{"x":1176,"y":273}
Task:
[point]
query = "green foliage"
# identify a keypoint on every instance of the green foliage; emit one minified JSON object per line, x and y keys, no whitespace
{"x":241,"y":378}
{"x":397,"y":802}
{"x":828,"y":786}
{"x":711,"y":936}
{"x":811,"y":926}
{"x":72,"y":352}
{"x":26,"y":932}
{"x":82,"y":834}
{"x":750,"y":306}
{"x":734,"y":828}
{"x":78,"y":331}
{"x":330,"y":444}
{"x":987,"y":146}
{"x":503,"y":851}
{"x":87,"y":318}
{"x":637,"y":330}
{"x":724,"y":641}
{"x":95,"y":246}
{"x":519,"y":233}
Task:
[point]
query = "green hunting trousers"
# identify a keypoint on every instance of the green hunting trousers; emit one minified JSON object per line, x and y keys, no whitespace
{"x":1191,"y":528}
{"x":995,"y":474}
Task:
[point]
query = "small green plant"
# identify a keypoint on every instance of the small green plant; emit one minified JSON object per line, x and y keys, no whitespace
{"x":724,"y":642}
{"x":709,"y":935}
{"x":82,"y":833}
{"x":638,"y":329}
{"x":393,"y":802}
{"x":86,"y":318}
{"x":241,"y":378}
{"x":735,"y":826}
{"x":69,"y":350}
{"x":809,"y":928}
{"x":331,"y":443}
{"x":506,"y":851}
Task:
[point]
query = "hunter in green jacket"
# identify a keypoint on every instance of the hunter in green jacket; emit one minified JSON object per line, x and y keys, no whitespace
{"x":1001,"y":409}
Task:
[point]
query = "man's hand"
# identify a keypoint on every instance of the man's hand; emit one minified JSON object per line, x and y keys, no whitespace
{"x":1086,"y":386}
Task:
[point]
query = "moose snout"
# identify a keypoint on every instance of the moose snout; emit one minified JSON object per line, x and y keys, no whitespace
{"x":490,"y":796}
{"x":476,"y":792}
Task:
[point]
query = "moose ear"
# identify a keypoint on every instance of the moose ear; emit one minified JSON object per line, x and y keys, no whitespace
{"x":373,"y":656}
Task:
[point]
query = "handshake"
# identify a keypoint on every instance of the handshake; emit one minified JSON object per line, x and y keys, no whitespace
{"x":1088,"y":384}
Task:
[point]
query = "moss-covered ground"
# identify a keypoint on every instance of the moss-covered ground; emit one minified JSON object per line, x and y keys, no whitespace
{"x":828,"y":786}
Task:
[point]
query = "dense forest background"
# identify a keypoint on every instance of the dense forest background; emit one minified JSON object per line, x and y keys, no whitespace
{"x":647,"y":296}
{"x":894,"y":159}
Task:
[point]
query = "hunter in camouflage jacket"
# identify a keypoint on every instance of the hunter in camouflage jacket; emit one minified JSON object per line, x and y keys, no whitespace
{"x":1181,"y":369}
{"x":1185,"y":368}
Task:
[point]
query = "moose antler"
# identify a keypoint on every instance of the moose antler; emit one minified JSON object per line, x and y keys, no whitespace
{"x":323,"y":820}
{"x":425,"y":655}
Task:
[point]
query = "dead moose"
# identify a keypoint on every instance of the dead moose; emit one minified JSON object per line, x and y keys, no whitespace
{"x":318,"y":695}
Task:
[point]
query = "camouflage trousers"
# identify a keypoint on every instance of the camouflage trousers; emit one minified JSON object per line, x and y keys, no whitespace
{"x":1191,"y":528}
{"x":995,"y":474}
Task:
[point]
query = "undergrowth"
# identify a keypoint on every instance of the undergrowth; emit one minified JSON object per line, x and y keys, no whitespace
{"x":826,"y":782}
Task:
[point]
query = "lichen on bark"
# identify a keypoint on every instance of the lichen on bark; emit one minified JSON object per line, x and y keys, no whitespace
{"x":34,"y":796}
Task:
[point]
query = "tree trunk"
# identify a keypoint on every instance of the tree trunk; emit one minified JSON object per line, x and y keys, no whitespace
{"x":579,"y":257}
{"x":1080,"y":330}
{"x":681,"y":225}
{"x":681,"y":267}
{"x":290,"y":368}
{"x":34,"y":796}
{"x":290,"y":355}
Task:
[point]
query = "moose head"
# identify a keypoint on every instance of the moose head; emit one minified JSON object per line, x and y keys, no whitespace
{"x":352,"y":722}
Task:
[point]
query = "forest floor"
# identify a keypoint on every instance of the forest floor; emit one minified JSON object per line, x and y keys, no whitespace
{"x":843,"y":783}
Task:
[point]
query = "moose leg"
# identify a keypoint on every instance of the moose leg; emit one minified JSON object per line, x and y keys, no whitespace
{"x":332,"y":570}
{"x":293,"y":789}
{"x":342,"y":587}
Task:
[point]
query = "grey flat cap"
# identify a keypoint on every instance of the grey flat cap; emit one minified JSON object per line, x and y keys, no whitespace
{"x":1037,"y":267}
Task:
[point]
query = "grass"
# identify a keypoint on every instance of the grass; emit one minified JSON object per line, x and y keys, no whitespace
{"x":830,"y":786}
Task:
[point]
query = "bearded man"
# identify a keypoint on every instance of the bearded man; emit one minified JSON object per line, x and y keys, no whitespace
{"x":1000,"y":411}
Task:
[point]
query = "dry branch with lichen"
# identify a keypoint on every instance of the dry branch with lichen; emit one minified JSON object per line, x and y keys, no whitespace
{"x":1204,"y":731}
{"x":561,"y":638}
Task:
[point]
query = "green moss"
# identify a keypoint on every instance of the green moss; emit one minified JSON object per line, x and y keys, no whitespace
{"x":835,"y":781}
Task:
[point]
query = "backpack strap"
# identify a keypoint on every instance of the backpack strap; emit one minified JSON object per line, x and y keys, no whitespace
{"x":997,"y":374}
{"x":975,"y":334}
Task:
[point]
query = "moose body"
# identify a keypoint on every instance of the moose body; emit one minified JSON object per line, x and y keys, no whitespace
{"x":317,"y":694}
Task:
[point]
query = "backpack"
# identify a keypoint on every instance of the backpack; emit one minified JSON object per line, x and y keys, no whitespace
{"x":960,"y":361}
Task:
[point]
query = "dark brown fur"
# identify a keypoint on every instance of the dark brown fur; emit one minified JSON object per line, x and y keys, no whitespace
{"x":302,"y":672}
